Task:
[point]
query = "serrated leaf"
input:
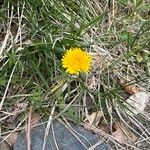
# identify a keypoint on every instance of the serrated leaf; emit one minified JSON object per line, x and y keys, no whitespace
{"x":36,"y":98}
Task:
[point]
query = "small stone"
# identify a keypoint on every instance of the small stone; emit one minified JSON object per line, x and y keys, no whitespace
{"x":63,"y":137}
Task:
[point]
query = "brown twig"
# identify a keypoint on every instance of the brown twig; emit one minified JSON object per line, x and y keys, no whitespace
{"x":29,"y":130}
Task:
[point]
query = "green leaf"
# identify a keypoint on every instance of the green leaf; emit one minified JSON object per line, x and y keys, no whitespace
{"x":3,"y":79}
{"x":124,"y":36}
{"x":37,"y":97}
{"x":148,"y":68}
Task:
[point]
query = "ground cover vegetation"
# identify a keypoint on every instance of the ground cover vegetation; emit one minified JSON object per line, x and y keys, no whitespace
{"x":34,"y":37}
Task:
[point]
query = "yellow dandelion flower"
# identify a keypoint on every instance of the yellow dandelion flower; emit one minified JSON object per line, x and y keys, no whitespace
{"x":76,"y":60}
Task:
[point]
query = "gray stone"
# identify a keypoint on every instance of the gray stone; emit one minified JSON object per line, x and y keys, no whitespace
{"x":63,"y":137}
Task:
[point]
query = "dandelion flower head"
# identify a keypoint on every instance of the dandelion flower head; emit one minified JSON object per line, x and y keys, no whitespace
{"x":75,"y":60}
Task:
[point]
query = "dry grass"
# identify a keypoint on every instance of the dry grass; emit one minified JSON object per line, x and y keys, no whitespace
{"x":34,"y":38}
